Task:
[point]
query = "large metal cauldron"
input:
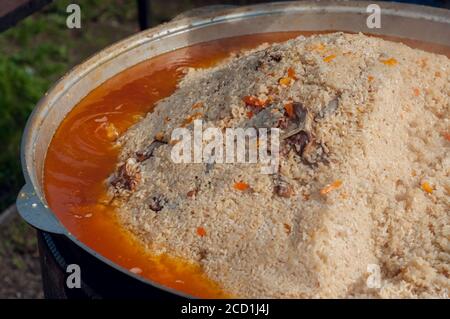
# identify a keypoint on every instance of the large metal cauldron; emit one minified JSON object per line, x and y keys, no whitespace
{"x":101,"y":277}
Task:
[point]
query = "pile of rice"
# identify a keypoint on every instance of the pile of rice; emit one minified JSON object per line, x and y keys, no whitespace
{"x":362,"y":187}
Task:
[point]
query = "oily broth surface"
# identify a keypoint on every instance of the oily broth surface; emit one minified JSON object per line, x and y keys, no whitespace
{"x":81,"y":156}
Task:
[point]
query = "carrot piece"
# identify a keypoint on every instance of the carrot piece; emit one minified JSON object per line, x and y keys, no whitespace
{"x":241,"y":186}
{"x":253,"y":101}
{"x":390,"y":61}
{"x":416,"y":92}
{"x":285,"y":81}
{"x":289,"y":108}
{"x":249,"y":100}
{"x":426,"y":187}
{"x":446,"y":136}
{"x":331,"y":187}
{"x":201,"y":231}
{"x":250,"y":114}
{"x":291,"y":74}
{"x":329,"y":58}
{"x":370,"y":78}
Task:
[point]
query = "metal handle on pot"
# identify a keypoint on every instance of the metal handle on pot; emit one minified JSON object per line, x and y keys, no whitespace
{"x":35,"y":213}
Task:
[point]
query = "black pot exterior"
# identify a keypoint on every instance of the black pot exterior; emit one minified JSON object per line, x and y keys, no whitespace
{"x":98,"y":280}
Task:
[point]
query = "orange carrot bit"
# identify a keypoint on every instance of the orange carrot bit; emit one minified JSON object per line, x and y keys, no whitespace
{"x":289,"y":108}
{"x":446,"y":136}
{"x":250,"y":114}
{"x":285,"y":81}
{"x":416,"y":92}
{"x":291,"y":74}
{"x":331,"y":187}
{"x":197,"y":105}
{"x":254,"y":101}
{"x":370,"y":78}
{"x":426,"y":187}
{"x":329,"y":58}
{"x":390,"y":61}
{"x":241,"y":186}
{"x":249,"y":100}
{"x":201,"y":231}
